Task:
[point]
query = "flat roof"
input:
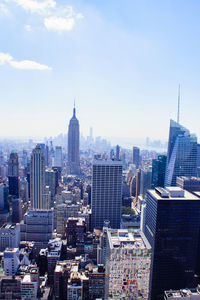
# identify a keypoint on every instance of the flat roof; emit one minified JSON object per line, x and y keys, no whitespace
{"x":109,"y":162}
{"x":127,"y":238}
{"x":187,"y":196}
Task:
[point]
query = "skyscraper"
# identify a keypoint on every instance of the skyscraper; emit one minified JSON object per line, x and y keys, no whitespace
{"x":37,"y":225}
{"x":158,"y":171}
{"x":172,"y":228}
{"x":106,"y":193}
{"x":128,"y":261}
{"x":13,"y":174}
{"x":181,"y":155}
{"x":117,"y":152}
{"x":73,"y":145}
{"x":58,"y":157}
{"x":37,"y":179}
{"x":136,"y":157}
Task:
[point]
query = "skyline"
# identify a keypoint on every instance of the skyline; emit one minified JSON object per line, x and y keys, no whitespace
{"x":122,"y":61}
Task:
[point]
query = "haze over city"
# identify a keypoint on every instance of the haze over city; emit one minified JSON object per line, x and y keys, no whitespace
{"x":121,"y":60}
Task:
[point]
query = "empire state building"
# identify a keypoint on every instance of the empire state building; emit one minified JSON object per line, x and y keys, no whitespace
{"x":73,"y":145}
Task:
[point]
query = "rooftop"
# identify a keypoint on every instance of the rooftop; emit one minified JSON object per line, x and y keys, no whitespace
{"x":173,"y":193}
{"x":181,"y":293}
{"x":8,"y":226}
{"x":130,"y":239}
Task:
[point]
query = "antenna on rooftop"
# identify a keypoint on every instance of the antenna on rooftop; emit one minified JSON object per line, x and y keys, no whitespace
{"x":178,"y":114}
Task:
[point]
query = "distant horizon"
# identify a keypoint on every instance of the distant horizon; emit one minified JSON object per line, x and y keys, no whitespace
{"x":123,"y":142}
{"x":121,"y":60}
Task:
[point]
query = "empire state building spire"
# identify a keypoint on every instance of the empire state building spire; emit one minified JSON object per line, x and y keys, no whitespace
{"x":74,"y":110}
{"x":73,"y":145}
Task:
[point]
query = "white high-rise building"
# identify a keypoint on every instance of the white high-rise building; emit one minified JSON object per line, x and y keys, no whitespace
{"x":11,"y":261}
{"x":106,"y":193}
{"x":73,"y":145}
{"x":128,"y":262}
{"x":37,"y":225}
{"x":37,"y":179}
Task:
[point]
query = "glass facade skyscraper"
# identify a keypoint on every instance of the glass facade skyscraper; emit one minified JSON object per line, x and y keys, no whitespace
{"x":172,"y":228}
{"x":181,"y":155}
{"x":136,"y":157}
{"x":158,"y":171}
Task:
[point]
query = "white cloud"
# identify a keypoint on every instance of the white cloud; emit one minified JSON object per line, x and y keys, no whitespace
{"x":23,"y":65}
{"x":35,"y":6}
{"x":58,"y":18}
{"x":4,"y":58}
{"x":27,"y":27}
{"x":59,"y":24}
{"x":79,"y":16}
{"x":28,"y":65}
{"x":4,"y":10}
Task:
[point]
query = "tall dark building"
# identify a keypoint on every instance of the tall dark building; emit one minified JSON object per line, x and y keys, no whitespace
{"x":13,"y":174}
{"x":172,"y":228}
{"x":136,"y":156}
{"x":73,"y":145}
{"x":181,"y":155}
{"x":106,"y":193}
{"x":117,"y":152}
{"x":191,"y":184}
{"x":158,"y":171}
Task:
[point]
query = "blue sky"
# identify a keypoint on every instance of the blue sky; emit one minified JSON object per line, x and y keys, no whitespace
{"x":122,"y":60}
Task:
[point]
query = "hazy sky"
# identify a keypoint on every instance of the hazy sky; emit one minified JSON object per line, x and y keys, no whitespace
{"x":121,"y":59}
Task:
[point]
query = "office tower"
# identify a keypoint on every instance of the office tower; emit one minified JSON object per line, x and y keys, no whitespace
{"x":13,"y":174}
{"x":198,"y":155}
{"x":58,"y":157}
{"x":97,"y":282}
{"x":23,"y":189}
{"x":16,"y":210}
{"x":29,"y":284}
{"x":47,"y":155}
{"x":128,"y":261}
{"x":181,"y":155}
{"x":112,"y":154}
{"x":106,"y":193}
{"x":136,"y":156}
{"x":145,"y":181}
{"x":158,"y":171}
{"x":37,"y":225}
{"x":190,"y":184}
{"x":10,"y":287}
{"x":2,"y":196}
{"x":37,"y":179}
{"x":61,"y":275}
{"x":24,"y":160}
{"x":138,"y":183}
{"x":172,"y":228}
{"x":73,"y":145}
{"x":9,"y":236}
{"x":117,"y":152}
{"x":123,"y":159}
{"x":51,"y":182}
{"x":1,"y":158}
{"x":11,"y":261}
{"x":54,"y":254}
